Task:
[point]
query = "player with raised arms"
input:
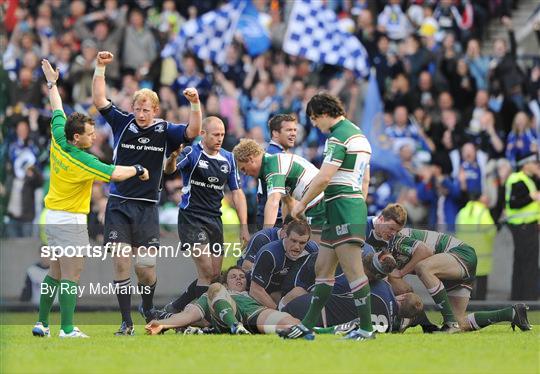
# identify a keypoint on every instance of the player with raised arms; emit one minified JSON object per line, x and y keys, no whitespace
{"x":206,"y":169}
{"x":131,"y":217}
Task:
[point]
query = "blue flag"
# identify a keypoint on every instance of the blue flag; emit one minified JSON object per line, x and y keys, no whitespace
{"x":255,"y":35}
{"x":209,"y":35}
{"x":382,"y":156}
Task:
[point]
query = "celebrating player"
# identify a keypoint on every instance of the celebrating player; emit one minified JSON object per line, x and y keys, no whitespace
{"x":344,"y":178}
{"x":447,"y":267}
{"x":286,"y":177}
{"x":131,"y":217}
{"x":228,"y":309}
{"x":206,"y":168}
{"x":73,"y":172}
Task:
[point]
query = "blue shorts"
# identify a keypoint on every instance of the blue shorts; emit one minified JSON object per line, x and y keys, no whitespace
{"x":132,"y":222}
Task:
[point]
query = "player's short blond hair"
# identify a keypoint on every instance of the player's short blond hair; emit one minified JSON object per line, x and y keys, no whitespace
{"x":145,"y":94}
{"x":396,"y":213}
{"x":245,"y":149}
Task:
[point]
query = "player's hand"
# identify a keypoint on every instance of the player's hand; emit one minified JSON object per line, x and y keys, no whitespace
{"x":50,"y":74}
{"x":153,"y":328}
{"x":244,"y":235}
{"x":174,"y":154}
{"x":396,"y":273}
{"x":104,"y":58}
{"x":298,"y":210}
{"x":145,"y":176}
{"x":191,"y":95}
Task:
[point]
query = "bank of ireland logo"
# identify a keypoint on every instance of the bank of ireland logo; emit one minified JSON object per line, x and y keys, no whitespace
{"x":113,"y":235}
{"x":224,"y":168}
{"x":143,"y":140}
{"x":213,"y":179}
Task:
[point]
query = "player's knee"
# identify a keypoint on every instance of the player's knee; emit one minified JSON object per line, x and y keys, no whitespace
{"x":421,"y":269}
{"x":145,"y":274}
{"x":214,"y":290}
{"x":121,"y":264}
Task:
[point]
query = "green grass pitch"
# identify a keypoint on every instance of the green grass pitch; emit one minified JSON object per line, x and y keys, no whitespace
{"x":495,"y":349}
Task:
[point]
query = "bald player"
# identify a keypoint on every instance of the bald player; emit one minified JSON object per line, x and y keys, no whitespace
{"x":206,"y":169}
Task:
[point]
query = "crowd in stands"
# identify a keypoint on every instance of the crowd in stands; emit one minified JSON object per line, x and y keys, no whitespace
{"x":456,"y":118}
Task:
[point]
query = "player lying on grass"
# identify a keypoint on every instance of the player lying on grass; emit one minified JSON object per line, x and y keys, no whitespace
{"x":228,"y":308}
{"x":447,"y":267}
{"x":286,"y":176}
{"x":389,"y":313}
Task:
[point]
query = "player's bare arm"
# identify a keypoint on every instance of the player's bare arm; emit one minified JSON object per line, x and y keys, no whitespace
{"x":271,"y":209}
{"x":170,"y":163}
{"x":195,"y":116}
{"x":240,"y":204}
{"x":185,"y":318}
{"x":421,"y":252}
{"x":259,"y":293}
{"x":99,"y":88}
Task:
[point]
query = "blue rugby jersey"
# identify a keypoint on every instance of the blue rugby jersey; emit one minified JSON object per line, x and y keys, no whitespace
{"x":146,"y":146}
{"x":204,"y":177}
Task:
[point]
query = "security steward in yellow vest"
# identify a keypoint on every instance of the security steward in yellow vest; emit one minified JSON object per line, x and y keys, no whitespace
{"x":475,"y":226}
{"x":523,"y":217}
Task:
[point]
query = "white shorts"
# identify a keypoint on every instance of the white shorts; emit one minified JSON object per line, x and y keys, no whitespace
{"x":66,"y":229}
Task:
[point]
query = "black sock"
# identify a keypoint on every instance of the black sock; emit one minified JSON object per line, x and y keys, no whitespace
{"x":423,"y":321}
{"x":147,"y":295}
{"x":123,"y":295}
{"x":191,"y":293}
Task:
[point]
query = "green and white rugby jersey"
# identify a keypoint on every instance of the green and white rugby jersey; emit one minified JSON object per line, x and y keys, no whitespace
{"x":288,"y":174}
{"x":349,"y":149}
{"x":406,"y":241}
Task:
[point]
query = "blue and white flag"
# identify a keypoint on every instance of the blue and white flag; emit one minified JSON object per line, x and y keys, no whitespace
{"x":209,"y":35}
{"x":313,"y":32}
{"x":254,"y":33}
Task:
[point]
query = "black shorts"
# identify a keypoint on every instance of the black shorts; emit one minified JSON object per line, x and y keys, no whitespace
{"x":200,"y":229}
{"x":337,"y":310}
{"x":131,"y":221}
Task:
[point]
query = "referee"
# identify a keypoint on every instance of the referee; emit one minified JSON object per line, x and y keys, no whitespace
{"x":73,"y":172}
{"x":131,"y":217}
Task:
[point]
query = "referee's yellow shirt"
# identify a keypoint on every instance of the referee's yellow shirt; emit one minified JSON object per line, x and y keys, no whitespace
{"x":72,"y":171}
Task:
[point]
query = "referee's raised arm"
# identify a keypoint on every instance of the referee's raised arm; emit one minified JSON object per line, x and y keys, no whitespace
{"x":52,"y":76}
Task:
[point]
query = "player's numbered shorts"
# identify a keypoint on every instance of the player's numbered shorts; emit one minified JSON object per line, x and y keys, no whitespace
{"x":316,"y":216}
{"x":196,"y":228}
{"x":132,"y":222}
{"x":346,"y":220}
{"x":466,"y":257}
{"x":65,"y":229}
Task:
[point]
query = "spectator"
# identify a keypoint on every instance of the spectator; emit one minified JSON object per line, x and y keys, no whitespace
{"x":34,"y":276}
{"x":140,"y":48}
{"x":522,"y":139}
{"x":478,"y":64}
{"x":394,"y":22}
